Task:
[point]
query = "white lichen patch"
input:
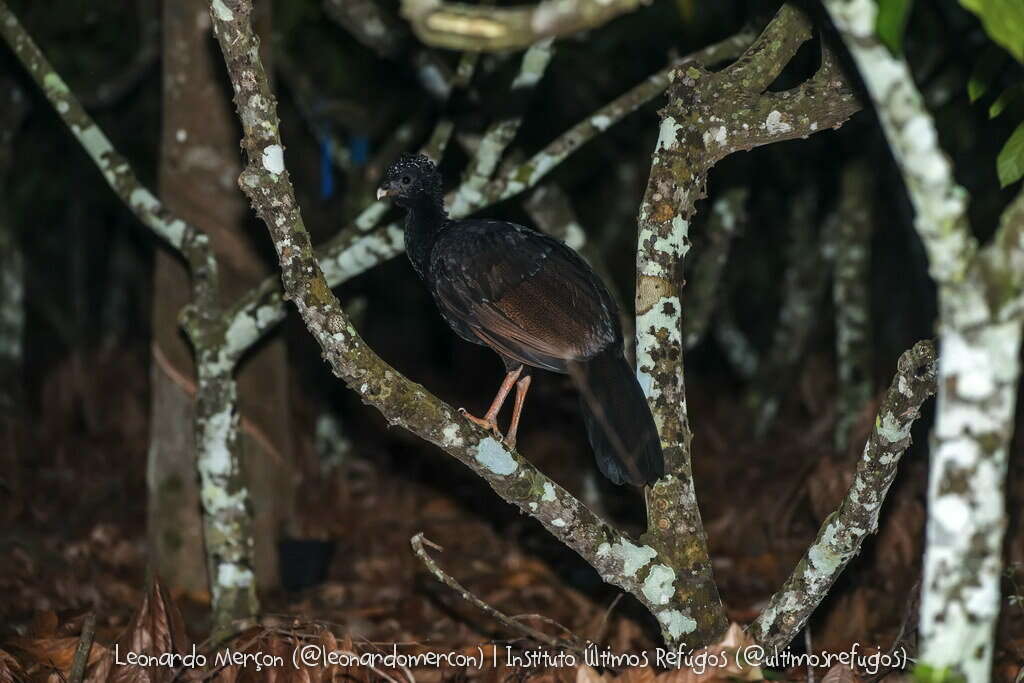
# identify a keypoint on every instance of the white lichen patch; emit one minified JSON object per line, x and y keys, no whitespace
{"x":601,"y":122}
{"x":221,"y":11}
{"x":450,"y":436}
{"x":774,"y":123}
{"x":558,"y":521}
{"x":891,"y":429}
{"x":231,"y":575}
{"x":493,"y":456}
{"x":676,"y":623}
{"x":273,"y":159}
{"x":549,"y":493}
{"x":718,"y":135}
{"x":661,"y":319}
{"x":824,"y":556}
{"x":632,"y":557}
{"x":667,"y":134}
{"x":659,"y":586}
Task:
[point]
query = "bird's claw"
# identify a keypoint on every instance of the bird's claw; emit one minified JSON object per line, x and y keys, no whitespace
{"x":489,"y":425}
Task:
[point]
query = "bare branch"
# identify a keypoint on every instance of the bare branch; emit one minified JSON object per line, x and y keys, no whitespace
{"x":81,"y":659}
{"x":708,"y":116}
{"x":843,"y":532}
{"x":460,"y":26}
{"x":771,"y":52}
{"x":417,"y":542}
{"x":500,"y":133}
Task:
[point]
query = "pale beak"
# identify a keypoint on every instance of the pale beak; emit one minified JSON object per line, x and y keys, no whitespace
{"x":381,"y":193}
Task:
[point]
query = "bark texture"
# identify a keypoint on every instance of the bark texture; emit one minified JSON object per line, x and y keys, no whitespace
{"x":709,"y":115}
{"x":981,"y":307}
{"x":840,"y":537}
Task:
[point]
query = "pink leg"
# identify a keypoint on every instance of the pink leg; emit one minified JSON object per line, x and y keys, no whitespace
{"x":490,"y":419}
{"x":522,"y":386}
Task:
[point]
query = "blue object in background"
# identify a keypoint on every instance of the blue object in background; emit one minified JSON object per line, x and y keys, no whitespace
{"x":326,"y":169}
{"x":359,"y":148}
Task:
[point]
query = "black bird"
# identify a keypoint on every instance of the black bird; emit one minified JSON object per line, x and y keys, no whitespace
{"x":536,"y":303}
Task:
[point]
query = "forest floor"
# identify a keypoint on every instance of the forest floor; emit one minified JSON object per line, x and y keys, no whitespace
{"x":74,"y":544}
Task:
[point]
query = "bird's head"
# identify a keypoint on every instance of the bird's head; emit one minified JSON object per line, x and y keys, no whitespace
{"x":410,"y":179}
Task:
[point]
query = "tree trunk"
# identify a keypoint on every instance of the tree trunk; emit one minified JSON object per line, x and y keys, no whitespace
{"x":199,"y":164}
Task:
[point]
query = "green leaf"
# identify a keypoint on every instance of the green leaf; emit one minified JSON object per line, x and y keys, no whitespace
{"x":923,"y":673}
{"x":1010,"y":162}
{"x":984,"y":72}
{"x":1010,"y":96}
{"x":1003,"y":21}
{"x":891,"y":23}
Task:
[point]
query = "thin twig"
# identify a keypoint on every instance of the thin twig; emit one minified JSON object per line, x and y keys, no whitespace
{"x":82,"y":651}
{"x":418,"y":541}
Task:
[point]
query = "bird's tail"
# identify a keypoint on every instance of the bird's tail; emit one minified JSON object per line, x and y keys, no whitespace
{"x":619,"y":422}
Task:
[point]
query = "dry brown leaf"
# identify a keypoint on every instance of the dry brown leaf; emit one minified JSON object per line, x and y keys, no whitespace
{"x":155,"y":629}
{"x":10,"y":669}
{"x":638,"y":674}
{"x":840,"y":673}
{"x":43,"y":625}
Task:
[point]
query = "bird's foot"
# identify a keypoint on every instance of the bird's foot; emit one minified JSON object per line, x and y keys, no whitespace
{"x":489,"y":424}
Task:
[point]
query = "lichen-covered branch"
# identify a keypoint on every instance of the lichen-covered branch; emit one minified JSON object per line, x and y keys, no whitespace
{"x":843,"y":532}
{"x":808,"y":266}
{"x":981,"y":306}
{"x":501,"y":132}
{"x":851,"y":298}
{"x":708,"y":116}
{"x":460,"y":26}
{"x":635,"y":567}
{"x":728,"y":215}
{"x":226,"y":517}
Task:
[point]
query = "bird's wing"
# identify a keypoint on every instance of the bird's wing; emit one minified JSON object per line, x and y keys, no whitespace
{"x":526,"y":295}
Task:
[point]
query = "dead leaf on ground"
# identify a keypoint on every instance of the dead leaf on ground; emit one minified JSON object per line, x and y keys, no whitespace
{"x":840,"y":673}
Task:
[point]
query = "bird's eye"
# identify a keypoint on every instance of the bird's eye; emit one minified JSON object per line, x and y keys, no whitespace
{"x":406,"y":180}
